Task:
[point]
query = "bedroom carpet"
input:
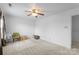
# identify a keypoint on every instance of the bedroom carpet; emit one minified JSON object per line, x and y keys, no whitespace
{"x":37,"y":47}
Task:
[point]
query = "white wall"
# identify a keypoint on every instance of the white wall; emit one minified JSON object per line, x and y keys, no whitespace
{"x":75,"y":28}
{"x":57,"y":28}
{"x":19,"y":24}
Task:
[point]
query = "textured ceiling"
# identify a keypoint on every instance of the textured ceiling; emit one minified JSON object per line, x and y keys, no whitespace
{"x":50,"y":8}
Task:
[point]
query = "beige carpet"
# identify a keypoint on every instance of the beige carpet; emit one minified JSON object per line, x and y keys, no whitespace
{"x":37,"y":47}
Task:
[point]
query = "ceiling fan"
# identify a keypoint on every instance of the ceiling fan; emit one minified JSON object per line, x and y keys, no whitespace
{"x":35,"y":12}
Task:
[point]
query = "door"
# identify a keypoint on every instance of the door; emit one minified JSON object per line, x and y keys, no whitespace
{"x":75,"y":31}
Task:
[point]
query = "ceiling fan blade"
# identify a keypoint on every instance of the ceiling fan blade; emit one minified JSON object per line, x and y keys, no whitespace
{"x":29,"y":14}
{"x":27,"y":11}
{"x":41,"y":14}
{"x":41,"y":10}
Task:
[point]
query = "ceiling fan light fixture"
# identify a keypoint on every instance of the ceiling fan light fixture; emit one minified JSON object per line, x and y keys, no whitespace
{"x":34,"y":14}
